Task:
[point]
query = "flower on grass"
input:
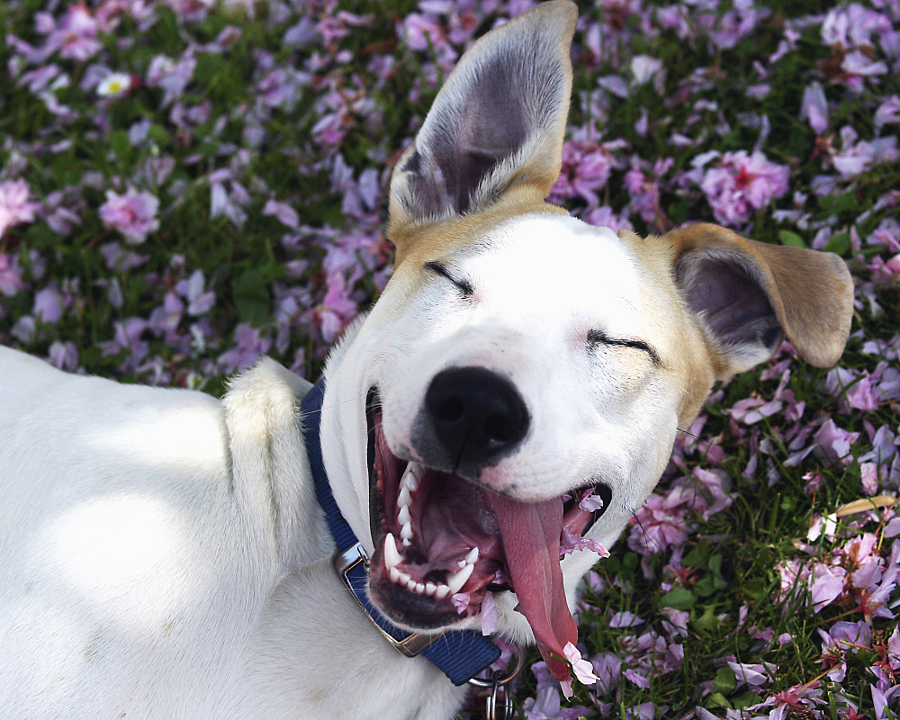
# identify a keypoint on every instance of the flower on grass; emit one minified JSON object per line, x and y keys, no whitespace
{"x":171,"y":76}
{"x":740,"y":184}
{"x":114,"y":84}
{"x":283,"y":212}
{"x":10,"y":275}
{"x":14,"y":205}
{"x":132,"y":214}
{"x":815,"y":107}
{"x":75,"y":37}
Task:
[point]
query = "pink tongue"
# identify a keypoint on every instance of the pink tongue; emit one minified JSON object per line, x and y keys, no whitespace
{"x":531,"y":533}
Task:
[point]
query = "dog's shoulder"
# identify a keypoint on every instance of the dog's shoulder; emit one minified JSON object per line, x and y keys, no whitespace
{"x":270,"y":470}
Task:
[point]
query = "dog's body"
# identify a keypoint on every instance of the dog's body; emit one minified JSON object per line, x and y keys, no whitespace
{"x":162,"y":554}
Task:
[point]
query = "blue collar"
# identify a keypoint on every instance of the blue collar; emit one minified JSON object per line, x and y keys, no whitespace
{"x":460,"y":654}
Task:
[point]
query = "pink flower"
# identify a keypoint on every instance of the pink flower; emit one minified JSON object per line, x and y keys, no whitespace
{"x":586,"y":168}
{"x":76,"y":35}
{"x":826,"y":585}
{"x":285,"y":214}
{"x":887,"y":113}
{"x":337,"y":308}
{"x":14,"y":205}
{"x":571,"y":542}
{"x":625,"y":619}
{"x":604,"y":216}
{"x":741,"y":184}
{"x":581,"y":669}
{"x":133,"y":214}
{"x":643,"y":189}
{"x":488,"y":615}
{"x":172,"y":77}
{"x":815,"y":107}
{"x":192,"y":290}
{"x":461,"y":601}
{"x":10,"y":275}
{"x":250,"y":343}
{"x":63,"y":355}
{"x":754,"y":675}
{"x":48,"y":304}
{"x":835,"y":442}
{"x":590,"y":502}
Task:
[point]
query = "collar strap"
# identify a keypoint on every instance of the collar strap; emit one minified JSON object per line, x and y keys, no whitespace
{"x":460,"y":654}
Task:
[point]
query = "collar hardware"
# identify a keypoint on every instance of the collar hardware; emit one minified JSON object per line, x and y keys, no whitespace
{"x":350,"y":562}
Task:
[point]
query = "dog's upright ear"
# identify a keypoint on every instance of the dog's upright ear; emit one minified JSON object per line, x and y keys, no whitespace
{"x":746,"y":294}
{"x":496,"y":126}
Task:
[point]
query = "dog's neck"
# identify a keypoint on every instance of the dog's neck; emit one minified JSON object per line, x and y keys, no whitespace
{"x":460,"y":654}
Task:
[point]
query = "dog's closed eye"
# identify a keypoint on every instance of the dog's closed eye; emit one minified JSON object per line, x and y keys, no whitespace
{"x":598,"y":337}
{"x":465,"y":287}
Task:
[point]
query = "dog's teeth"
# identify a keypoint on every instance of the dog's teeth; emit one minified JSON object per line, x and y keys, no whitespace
{"x":391,"y":554}
{"x":399,"y":577}
{"x":409,"y":479}
{"x":442,"y":591}
{"x":430,"y":589}
{"x":405,"y":497}
{"x":406,"y":532}
{"x":411,"y":585}
{"x":457,"y":580}
{"x":472,"y":557}
{"x":404,"y":516}
{"x":420,"y":588}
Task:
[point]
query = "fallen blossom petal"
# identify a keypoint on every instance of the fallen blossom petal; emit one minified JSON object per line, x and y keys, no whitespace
{"x":488,"y":615}
{"x":581,"y":668}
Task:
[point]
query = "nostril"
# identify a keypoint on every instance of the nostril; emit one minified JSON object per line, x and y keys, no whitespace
{"x":449,"y":410}
{"x":498,"y":428}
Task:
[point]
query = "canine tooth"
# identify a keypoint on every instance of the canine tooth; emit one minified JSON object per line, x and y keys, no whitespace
{"x":406,"y":532}
{"x":430,"y":589}
{"x":442,"y":591}
{"x":391,"y":554}
{"x":472,"y":557}
{"x":404,"y":517}
{"x":457,"y":580}
{"x":405,"y":497}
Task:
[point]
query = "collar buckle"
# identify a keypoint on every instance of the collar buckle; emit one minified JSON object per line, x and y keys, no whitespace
{"x":352,"y":565}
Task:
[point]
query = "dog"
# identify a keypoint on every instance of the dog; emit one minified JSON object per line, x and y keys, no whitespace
{"x":165,"y":554}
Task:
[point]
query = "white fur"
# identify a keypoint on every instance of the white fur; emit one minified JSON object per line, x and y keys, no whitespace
{"x":162,"y":554}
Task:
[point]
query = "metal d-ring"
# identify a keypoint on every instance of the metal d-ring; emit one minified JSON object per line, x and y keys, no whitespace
{"x":495,"y":706}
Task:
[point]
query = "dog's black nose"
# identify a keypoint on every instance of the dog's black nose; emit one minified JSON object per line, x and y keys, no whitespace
{"x":477,"y":416}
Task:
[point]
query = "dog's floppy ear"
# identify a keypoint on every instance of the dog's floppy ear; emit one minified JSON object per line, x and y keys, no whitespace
{"x":496,"y":125}
{"x":747,"y":293}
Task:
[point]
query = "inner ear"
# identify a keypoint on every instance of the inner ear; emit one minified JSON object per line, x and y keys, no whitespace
{"x":492,"y":128}
{"x":732,"y":305}
{"x":495,"y":128}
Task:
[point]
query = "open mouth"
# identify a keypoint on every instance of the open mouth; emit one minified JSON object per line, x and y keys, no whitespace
{"x":442,"y":542}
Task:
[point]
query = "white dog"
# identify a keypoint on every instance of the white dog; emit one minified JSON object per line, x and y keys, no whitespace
{"x":163,"y":554}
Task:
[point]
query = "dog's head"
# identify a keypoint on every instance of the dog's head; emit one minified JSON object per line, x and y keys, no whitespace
{"x":523,"y":377}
